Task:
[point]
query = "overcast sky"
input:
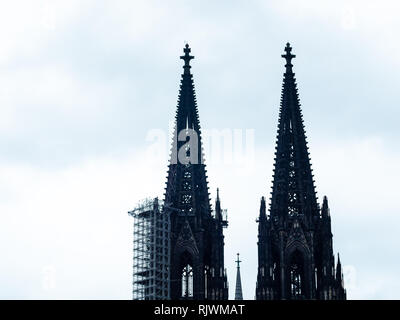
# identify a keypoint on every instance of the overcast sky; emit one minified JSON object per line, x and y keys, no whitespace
{"x":85,"y":84}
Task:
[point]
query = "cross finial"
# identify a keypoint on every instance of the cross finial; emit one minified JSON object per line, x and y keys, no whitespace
{"x":288,"y":56}
{"x":187,"y":57}
{"x":238,"y":261}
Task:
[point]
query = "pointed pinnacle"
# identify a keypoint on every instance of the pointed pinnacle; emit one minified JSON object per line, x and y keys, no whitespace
{"x":262,"y":208}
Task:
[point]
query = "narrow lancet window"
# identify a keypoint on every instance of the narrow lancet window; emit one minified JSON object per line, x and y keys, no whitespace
{"x":187,"y":282}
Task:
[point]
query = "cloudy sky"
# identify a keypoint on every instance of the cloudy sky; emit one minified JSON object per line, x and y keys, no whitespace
{"x":88,"y":88}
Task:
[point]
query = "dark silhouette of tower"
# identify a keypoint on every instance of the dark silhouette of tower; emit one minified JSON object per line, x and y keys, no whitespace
{"x":238,"y":288}
{"x":197,"y":241}
{"x":295,"y":253}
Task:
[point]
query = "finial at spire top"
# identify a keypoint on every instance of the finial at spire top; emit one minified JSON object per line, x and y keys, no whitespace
{"x":187,"y":57}
{"x":217,"y":193}
{"x":238,"y":261}
{"x":288,"y":56}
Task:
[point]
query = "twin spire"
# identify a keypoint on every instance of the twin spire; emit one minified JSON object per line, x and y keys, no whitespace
{"x":293,"y":195}
{"x":288,"y":56}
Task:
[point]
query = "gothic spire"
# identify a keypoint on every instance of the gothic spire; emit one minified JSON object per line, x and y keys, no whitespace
{"x":295,"y":255}
{"x":293,"y":191}
{"x":238,"y":289}
{"x":187,"y":187}
{"x":196,"y":237}
{"x":187,"y":116}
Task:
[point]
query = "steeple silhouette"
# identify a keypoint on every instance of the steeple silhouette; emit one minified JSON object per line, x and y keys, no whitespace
{"x":295,"y":255}
{"x":293,"y":192}
{"x":197,"y":241}
{"x":187,"y":168}
{"x":238,"y":289}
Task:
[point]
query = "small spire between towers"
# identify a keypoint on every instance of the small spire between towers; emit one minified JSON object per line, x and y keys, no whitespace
{"x":238,"y":290}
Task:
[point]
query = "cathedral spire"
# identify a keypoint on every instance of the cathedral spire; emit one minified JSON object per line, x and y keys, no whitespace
{"x":293,"y":191}
{"x":295,"y":255}
{"x":197,"y":241}
{"x":187,"y":186}
{"x":187,"y":126}
{"x":238,"y":289}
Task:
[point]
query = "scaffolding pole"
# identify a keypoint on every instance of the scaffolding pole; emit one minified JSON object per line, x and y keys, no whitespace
{"x":151,"y":248}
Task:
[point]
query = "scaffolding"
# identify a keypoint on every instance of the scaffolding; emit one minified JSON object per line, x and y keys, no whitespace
{"x":151,"y":248}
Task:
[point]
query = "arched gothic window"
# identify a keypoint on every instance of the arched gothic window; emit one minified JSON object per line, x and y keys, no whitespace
{"x":296,"y":273}
{"x":206,"y":280}
{"x":187,"y":282}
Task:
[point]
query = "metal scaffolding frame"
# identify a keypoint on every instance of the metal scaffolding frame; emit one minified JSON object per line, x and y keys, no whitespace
{"x":151,"y":251}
